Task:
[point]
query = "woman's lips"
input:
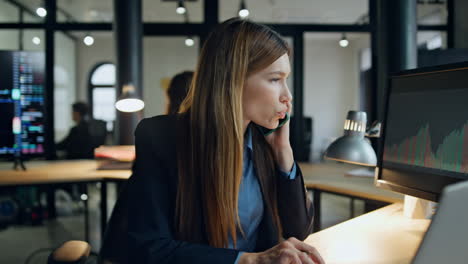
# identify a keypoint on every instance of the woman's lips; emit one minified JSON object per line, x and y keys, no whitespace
{"x":281,"y":115}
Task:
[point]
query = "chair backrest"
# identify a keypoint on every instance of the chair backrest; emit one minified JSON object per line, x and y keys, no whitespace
{"x":114,"y":246}
{"x":70,"y":252}
{"x":98,"y":132}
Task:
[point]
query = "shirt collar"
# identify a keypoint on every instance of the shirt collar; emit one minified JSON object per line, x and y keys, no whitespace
{"x":248,"y":138}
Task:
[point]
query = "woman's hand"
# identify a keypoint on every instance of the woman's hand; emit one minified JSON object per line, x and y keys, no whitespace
{"x":279,"y":142}
{"x":291,"y":251}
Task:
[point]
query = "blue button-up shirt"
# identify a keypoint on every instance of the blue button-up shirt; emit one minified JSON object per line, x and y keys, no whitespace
{"x":250,"y":203}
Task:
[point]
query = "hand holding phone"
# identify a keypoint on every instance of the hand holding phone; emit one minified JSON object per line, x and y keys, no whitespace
{"x":283,"y":121}
{"x":280,"y":144}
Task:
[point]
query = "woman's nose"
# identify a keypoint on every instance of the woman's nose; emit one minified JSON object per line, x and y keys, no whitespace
{"x":286,"y":97}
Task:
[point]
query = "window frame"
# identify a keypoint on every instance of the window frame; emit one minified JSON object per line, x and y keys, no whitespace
{"x":91,"y":86}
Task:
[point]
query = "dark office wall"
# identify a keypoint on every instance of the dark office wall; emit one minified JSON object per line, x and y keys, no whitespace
{"x":302,"y":151}
{"x":367,"y":95}
{"x":428,"y":58}
{"x":460,"y":24}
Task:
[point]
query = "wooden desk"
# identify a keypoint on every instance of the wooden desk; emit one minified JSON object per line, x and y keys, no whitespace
{"x":64,"y":172}
{"x":383,"y":236}
{"x":330,"y":177}
{"x":380,"y":237}
{"x":49,"y":172}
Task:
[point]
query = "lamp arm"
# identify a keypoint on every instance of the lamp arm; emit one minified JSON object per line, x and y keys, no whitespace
{"x":374,"y":130}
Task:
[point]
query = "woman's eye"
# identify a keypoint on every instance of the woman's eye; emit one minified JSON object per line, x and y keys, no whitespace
{"x":275,"y":80}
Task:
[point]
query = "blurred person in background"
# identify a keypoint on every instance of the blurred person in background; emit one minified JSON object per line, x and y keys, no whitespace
{"x":177,"y":91}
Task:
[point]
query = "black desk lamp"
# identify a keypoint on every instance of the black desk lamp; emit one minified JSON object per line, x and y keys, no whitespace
{"x":353,"y":147}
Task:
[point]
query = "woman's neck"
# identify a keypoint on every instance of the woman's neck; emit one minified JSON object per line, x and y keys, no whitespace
{"x":246,"y":124}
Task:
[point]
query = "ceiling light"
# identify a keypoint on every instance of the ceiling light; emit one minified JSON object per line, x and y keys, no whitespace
{"x":88,"y":40}
{"x":41,"y":11}
{"x":181,"y":8}
{"x":243,"y":11}
{"x":36,"y":40}
{"x":189,"y":42}
{"x":344,"y":41}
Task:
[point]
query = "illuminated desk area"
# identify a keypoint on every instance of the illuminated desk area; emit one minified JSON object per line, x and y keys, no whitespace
{"x":330,"y":178}
{"x":383,"y":236}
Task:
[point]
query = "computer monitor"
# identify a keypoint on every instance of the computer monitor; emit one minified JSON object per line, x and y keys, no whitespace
{"x":425,"y":133}
{"x":22,"y":96}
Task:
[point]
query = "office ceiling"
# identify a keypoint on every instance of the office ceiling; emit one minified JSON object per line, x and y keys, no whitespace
{"x":266,"y":11}
{"x":269,"y":11}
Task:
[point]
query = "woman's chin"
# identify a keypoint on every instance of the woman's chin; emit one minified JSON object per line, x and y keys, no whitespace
{"x":271,"y":125}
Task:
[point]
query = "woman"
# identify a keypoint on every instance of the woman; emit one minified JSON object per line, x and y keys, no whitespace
{"x":218,"y":190}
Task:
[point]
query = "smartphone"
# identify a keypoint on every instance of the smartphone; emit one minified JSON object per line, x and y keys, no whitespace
{"x":283,"y":121}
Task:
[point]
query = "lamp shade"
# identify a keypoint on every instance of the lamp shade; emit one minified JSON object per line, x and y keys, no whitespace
{"x":353,"y":147}
{"x":129,"y":101}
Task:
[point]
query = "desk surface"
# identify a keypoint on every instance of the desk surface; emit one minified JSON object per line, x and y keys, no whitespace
{"x":331,"y":177}
{"x":382,"y":236}
{"x":379,"y":237}
{"x":46,"y":172}
{"x":327,"y":176}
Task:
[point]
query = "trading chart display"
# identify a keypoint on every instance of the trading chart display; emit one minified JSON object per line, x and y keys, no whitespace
{"x":427,"y":129}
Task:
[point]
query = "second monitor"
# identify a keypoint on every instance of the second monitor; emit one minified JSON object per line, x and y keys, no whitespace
{"x":22,"y":99}
{"x":425,"y":139}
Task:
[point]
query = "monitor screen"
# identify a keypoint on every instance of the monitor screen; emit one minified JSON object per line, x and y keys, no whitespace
{"x":425,"y":133}
{"x":22,"y":103}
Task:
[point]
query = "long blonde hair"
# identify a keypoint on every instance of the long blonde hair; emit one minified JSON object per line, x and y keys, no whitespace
{"x":210,"y":162}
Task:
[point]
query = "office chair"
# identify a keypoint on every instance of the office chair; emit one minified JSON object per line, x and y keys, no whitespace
{"x":98,"y":132}
{"x":70,"y":252}
{"x":114,"y":245}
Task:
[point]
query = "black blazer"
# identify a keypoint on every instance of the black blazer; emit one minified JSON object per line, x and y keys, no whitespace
{"x":152,"y":194}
